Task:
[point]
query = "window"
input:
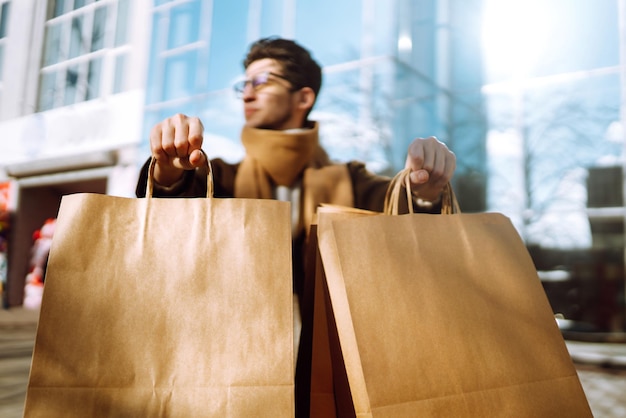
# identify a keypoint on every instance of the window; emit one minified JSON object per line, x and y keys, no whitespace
{"x":178,"y":51}
{"x":4,"y":19}
{"x":83,"y":51}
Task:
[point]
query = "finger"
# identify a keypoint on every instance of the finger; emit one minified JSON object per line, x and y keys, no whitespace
{"x":418,"y":177}
{"x":195,"y":134}
{"x":429,"y":147}
{"x":438,"y":169}
{"x":156,"y":147}
{"x":181,"y":136}
{"x":167,"y":138}
{"x":197,"y":158}
{"x":415,"y":156}
{"x":450,"y":165}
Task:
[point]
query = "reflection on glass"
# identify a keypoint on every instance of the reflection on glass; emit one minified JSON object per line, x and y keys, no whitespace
{"x":121,"y":27}
{"x":71,"y":85}
{"x":118,"y":76}
{"x":77,"y":40}
{"x":1,"y":61}
{"x":4,"y":17}
{"x":52,"y":52}
{"x":79,"y":3}
{"x":184,"y":24}
{"x":59,"y":8}
{"x":180,"y":75}
{"x":93,"y":78}
{"x":46,"y":91}
{"x":98,"y":31}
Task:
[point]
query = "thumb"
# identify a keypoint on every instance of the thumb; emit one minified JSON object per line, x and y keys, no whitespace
{"x":419,"y":176}
{"x":197,"y":158}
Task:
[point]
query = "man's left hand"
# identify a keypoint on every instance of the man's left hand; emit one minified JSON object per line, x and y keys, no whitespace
{"x":432,"y":166}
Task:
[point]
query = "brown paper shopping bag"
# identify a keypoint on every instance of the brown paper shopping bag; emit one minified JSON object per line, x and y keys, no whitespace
{"x":322,"y":384}
{"x":442,"y":316}
{"x":166,"y":308}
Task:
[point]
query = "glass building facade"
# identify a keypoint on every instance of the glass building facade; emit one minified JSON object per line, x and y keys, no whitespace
{"x":389,"y":74}
{"x":81,"y":38}
{"x":539,"y":138}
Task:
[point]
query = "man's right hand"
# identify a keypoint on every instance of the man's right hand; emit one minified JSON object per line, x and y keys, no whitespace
{"x":176,"y":144}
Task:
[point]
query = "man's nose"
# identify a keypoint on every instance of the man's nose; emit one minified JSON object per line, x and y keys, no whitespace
{"x":248,"y":92}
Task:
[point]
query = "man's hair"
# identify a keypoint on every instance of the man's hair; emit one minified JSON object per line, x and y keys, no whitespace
{"x":298,"y":65}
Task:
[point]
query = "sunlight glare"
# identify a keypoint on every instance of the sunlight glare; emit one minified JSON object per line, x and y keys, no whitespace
{"x":404,"y":43}
{"x":513,"y":34}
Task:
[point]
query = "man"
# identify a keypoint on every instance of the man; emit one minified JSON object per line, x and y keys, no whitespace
{"x":283,"y":157}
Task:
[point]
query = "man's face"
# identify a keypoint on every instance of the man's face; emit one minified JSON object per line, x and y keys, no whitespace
{"x":271,"y":105}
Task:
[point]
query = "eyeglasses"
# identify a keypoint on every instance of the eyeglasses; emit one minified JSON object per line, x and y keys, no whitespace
{"x":257,"y":82}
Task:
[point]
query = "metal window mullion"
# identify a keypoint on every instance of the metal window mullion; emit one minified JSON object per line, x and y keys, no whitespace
{"x":167,"y":7}
{"x":73,"y":61}
{"x":82,"y":10}
{"x":194,"y":46}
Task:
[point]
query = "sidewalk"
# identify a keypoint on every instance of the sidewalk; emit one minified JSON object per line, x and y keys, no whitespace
{"x":602,"y":354}
{"x":19,"y":316}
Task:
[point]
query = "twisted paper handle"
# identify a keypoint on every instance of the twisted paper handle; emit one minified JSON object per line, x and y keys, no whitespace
{"x":209,"y":180}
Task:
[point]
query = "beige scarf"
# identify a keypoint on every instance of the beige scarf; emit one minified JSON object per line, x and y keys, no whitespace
{"x":282,"y":158}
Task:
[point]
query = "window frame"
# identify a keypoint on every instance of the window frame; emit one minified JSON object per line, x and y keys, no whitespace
{"x":5,"y":11}
{"x":94,"y":59}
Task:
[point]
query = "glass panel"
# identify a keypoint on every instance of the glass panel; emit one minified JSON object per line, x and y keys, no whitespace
{"x":59,"y":8}
{"x":1,"y":62}
{"x":222,"y":115}
{"x":121,"y":28}
{"x":77,"y":39}
{"x":4,"y":18}
{"x":52,"y":52}
{"x":119,"y":72}
{"x":228,"y":43}
{"x":271,"y":18}
{"x":360,"y":117}
{"x":340,"y":40}
{"x":180,"y":75}
{"x":99,"y":29}
{"x":74,"y":39}
{"x":383,"y":30}
{"x":93,"y":78}
{"x":184,"y":24}
{"x":47,"y":91}
{"x":71,"y":85}
{"x":155,"y":65}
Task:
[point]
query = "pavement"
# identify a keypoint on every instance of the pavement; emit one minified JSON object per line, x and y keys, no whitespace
{"x":600,"y":364}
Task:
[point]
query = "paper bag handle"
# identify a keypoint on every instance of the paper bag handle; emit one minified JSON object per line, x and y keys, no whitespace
{"x":449,"y":203}
{"x":209,"y":180}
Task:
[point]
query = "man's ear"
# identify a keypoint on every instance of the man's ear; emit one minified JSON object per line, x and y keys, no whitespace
{"x":306,"y":98}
